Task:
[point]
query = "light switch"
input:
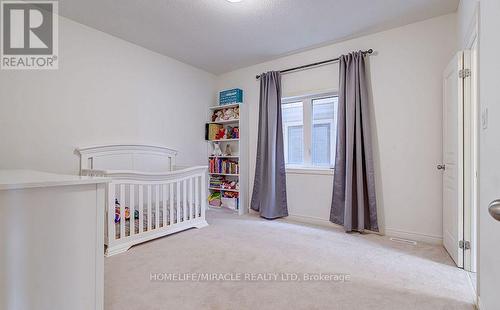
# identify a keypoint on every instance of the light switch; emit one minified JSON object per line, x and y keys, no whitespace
{"x":484,"y":118}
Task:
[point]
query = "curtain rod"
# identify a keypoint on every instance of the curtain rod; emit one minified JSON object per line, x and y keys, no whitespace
{"x":316,"y":63}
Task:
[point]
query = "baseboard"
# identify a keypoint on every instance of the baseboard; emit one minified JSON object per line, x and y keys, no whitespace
{"x":311,"y":220}
{"x":415,"y":236}
{"x":319,"y":222}
{"x":473,"y":290}
{"x":419,"y":237}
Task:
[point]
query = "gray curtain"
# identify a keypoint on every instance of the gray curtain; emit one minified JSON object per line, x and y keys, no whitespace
{"x":354,"y":203}
{"x":269,"y":189}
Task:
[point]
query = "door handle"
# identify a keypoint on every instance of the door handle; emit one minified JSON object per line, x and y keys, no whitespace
{"x":441,"y":167}
{"x":494,"y":209}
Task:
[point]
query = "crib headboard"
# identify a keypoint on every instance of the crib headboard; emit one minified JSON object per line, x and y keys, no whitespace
{"x":136,"y":157}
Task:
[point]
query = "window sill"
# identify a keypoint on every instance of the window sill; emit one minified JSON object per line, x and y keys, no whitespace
{"x":309,"y":170}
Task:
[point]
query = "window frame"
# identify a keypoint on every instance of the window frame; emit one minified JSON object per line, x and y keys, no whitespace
{"x":307,"y":123}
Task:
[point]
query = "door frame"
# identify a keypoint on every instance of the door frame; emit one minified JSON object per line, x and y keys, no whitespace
{"x":471,"y":145}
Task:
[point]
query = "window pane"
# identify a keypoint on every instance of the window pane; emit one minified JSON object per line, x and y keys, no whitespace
{"x":321,"y":151}
{"x":324,"y":132}
{"x":293,"y":132}
{"x":295,"y":145}
{"x":292,"y":112}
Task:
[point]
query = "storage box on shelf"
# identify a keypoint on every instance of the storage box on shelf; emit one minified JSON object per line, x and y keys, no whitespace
{"x":231,"y":96}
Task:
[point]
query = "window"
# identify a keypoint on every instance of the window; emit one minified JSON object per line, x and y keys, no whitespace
{"x":310,"y":130}
{"x":324,"y":132}
{"x":293,"y":132}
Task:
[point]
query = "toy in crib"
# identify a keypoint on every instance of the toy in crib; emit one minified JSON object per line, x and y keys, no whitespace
{"x":127,"y":212}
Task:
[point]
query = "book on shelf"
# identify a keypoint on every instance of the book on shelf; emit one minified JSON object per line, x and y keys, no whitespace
{"x":221,"y":183}
{"x":223,"y":166}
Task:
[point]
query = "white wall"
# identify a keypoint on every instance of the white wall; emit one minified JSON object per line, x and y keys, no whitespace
{"x":105,"y":91}
{"x":407,"y":122}
{"x":465,"y":20}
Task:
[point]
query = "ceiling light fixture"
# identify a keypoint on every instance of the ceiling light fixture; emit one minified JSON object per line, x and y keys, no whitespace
{"x":234,"y":1}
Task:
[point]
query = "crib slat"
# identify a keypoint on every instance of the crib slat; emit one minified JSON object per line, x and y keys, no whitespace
{"x":131,"y":206}
{"x":204,"y":197}
{"x":171,"y":203}
{"x":164,"y":204}
{"x":149,"y":207}
{"x":190,"y":198}
{"x":140,"y":206}
{"x":196,"y":197}
{"x":122,"y":211}
{"x":111,"y":212}
{"x":157,"y":206}
{"x":184,"y":201}
{"x":178,"y":199}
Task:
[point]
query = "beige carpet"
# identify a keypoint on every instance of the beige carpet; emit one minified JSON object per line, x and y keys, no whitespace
{"x":383,"y":274}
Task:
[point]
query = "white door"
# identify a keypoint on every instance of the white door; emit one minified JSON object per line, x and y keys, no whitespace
{"x":489,"y":158}
{"x":452,"y":165}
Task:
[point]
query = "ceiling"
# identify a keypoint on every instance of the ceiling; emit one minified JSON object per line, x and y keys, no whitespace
{"x":219,"y":36}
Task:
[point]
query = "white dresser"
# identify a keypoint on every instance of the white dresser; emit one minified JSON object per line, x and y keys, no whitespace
{"x":51,"y":241}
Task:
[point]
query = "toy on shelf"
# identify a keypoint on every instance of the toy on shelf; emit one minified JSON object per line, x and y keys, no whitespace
{"x":228,"y":114}
{"x":235,"y":134}
{"x":221,"y":134}
{"x":230,"y":200}
{"x":232,"y":132}
{"x":228,"y":150}
{"x":217,"y":116}
{"x":226,"y":184}
{"x":231,"y":194}
{"x":231,"y":114}
{"x":211,"y":131}
{"x":214,"y":199}
{"x":220,"y":182}
{"x":217,"y":151}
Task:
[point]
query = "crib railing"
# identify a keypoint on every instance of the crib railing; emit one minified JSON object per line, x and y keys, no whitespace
{"x":145,"y":206}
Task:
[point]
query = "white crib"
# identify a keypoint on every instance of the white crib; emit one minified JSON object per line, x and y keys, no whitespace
{"x":158,"y":199}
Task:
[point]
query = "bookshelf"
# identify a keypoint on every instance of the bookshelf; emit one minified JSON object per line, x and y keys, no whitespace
{"x":226,"y":167}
